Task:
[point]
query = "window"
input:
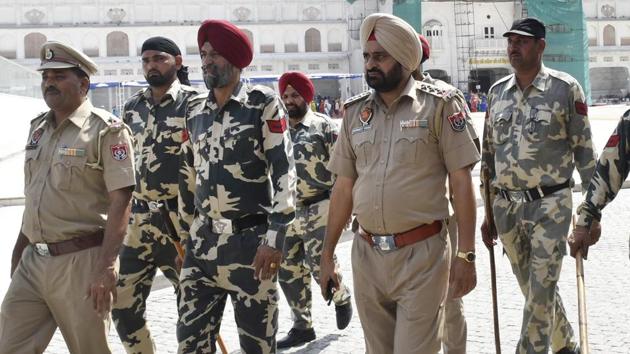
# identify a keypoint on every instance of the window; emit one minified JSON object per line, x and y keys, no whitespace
{"x":625,"y":40}
{"x":312,"y":40}
{"x":32,"y":44}
{"x":333,"y":66}
{"x":313,"y":66}
{"x":624,"y":58}
{"x":592,"y":59}
{"x":592,"y":42}
{"x":608,"y":59}
{"x":434,"y":31}
{"x":266,"y":67}
{"x":488,"y":32}
{"x":126,"y":71}
{"x":249,"y":35}
{"x":293,"y":67}
{"x":609,"y":35}
{"x":290,"y":47}
{"x":110,"y":72}
{"x":251,"y":68}
{"x":334,"y":40}
{"x":117,"y":44}
{"x":267,"y":48}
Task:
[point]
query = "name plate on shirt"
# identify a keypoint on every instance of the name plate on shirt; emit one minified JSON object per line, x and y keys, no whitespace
{"x":361,"y":129}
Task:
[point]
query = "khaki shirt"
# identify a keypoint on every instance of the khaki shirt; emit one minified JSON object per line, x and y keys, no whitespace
{"x":399,"y":168}
{"x":69,"y":170}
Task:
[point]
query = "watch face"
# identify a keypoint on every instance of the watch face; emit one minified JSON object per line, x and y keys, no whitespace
{"x":470,"y":257}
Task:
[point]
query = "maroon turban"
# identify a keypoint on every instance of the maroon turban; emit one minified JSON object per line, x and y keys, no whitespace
{"x":300,"y":82}
{"x":228,"y":40}
{"x":426,"y":50}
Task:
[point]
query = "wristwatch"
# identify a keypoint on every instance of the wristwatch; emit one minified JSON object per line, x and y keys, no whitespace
{"x":467,"y":256}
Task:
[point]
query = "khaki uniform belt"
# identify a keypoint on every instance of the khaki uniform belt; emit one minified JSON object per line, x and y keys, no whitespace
{"x":69,"y":246}
{"x":395,"y":241}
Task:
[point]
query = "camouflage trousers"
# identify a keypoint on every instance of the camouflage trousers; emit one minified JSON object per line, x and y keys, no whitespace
{"x":215,"y":266}
{"x":455,"y":328}
{"x":146,"y":248}
{"x":301,"y":255}
{"x":534,"y":238}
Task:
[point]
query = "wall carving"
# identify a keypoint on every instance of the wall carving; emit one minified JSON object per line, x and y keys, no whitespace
{"x":116,"y":15}
{"x":311,"y":13}
{"x":242,"y":13}
{"x":34,"y":16}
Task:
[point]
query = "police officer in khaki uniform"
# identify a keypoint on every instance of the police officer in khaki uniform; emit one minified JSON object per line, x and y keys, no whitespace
{"x":78,"y":182}
{"x":391,"y":168}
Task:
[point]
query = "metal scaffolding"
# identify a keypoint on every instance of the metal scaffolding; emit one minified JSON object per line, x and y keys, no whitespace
{"x":465,"y":44}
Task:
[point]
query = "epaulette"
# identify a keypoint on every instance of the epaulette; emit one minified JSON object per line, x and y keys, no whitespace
{"x":500,"y":81}
{"x":201,"y":96}
{"x":39,"y":116}
{"x":430,"y":89}
{"x":626,"y":116}
{"x":354,"y":99}
{"x":321,"y":115}
{"x":562,"y":76}
{"x":266,"y":90}
{"x":104,"y":115}
{"x":134,"y":99}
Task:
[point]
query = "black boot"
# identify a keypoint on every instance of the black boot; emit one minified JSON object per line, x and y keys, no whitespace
{"x":343,"y":314}
{"x":566,"y":350}
{"x":296,"y":337}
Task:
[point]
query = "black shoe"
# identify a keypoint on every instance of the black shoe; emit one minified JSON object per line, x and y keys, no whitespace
{"x":296,"y":337}
{"x":566,"y":350}
{"x":343,"y":314}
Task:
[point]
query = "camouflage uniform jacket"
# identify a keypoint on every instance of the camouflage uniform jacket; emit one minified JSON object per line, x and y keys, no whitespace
{"x":157,"y":131}
{"x":238,"y":161}
{"x":537,"y":136}
{"x":610,"y":173}
{"x":313,"y":138}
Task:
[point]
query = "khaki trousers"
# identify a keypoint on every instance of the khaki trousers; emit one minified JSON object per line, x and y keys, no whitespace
{"x":399,"y":294}
{"x":49,"y":292}
{"x":455,"y":330}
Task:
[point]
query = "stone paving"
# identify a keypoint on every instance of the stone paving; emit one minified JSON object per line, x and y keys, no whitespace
{"x":607,"y":277}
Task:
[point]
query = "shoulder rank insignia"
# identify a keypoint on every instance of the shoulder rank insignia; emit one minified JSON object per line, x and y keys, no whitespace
{"x":430,"y":89}
{"x":356,"y":98}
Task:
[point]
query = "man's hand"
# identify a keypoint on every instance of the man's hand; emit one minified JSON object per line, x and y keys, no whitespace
{"x":463,"y":278}
{"x":327,"y":271}
{"x":266,"y":262}
{"x":581,"y":238}
{"x":102,"y":290}
{"x":179,"y":262}
{"x":488,"y":233}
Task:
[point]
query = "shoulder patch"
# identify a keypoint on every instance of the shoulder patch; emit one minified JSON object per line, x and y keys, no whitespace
{"x":354,"y":99}
{"x":458,"y":121}
{"x":581,"y":108}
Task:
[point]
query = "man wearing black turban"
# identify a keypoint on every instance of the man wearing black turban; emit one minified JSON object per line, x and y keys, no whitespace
{"x":156,"y":116}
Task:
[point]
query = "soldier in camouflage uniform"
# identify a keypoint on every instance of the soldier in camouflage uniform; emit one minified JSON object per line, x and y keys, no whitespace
{"x":611,"y":171}
{"x":313,"y":135}
{"x":237,"y":190}
{"x":536,"y":132}
{"x":156,"y":118}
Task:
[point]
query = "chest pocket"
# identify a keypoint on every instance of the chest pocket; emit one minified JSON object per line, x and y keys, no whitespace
{"x":67,"y":171}
{"x":502,"y":126}
{"x":31,"y":164}
{"x":363,"y":145}
{"x":537,"y":125}
{"x":239,"y":146}
{"x":410,"y":145}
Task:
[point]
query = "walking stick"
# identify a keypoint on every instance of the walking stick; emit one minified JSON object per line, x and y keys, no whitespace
{"x":579,"y":270}
{"x":170,"y":228}
{"x":493,"y":270}
{"x":495,"y":303}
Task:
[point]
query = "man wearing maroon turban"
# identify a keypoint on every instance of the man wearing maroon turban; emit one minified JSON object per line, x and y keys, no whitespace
{"x":237,"y":196}
{"x":313,"y":135}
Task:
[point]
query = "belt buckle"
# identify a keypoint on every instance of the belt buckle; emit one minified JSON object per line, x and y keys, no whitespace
{"x":222,"y":226}
{"x":384,"y":242}
{"x":42,"y":249}
{"x":517,"y":196}
{"x":154,"y":206}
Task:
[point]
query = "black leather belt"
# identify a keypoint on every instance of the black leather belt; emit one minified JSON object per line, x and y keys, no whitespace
{"x":316,"y":199}
{"x":532,"y":194}
{"x":152,"y":206}
{"x":235,"y":226}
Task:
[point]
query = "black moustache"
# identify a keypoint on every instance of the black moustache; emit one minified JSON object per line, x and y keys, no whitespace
{"x":51,"y":89}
